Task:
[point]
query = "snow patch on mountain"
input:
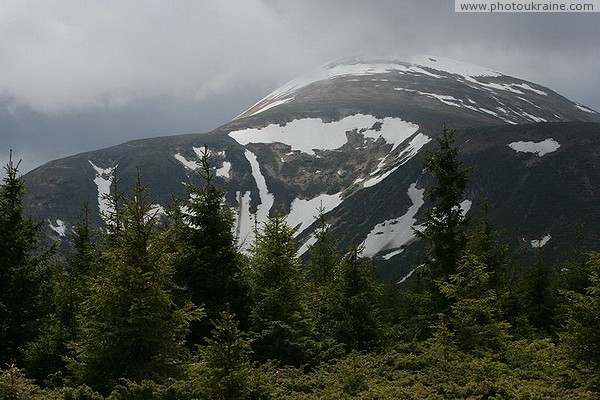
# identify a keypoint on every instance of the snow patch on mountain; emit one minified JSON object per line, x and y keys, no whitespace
{"x":244,"y":222}
{"x":156,"y":210}
{"x":411,"y":150}
{"x":264,"y":106}
{"x":584,"y":108}
{"x":310,"y":134}
{"x":465,"y":206}
{"x":394,"y":233}
{"x":103,"y":180}
{"x":528,"y":87}
{"x":224,"y":171}
{"x":463,"y":69}
{"x":303,"y":211}
{"x":540,"y":242}
{"x":393,"y":130}
{"x":532,"y":117}
{"x":392,"y":253}
{"x":407,"y":276}
{"x":59,"y":227}
{"x":499,"y":86}
{"x":540,"y":148}
{"x":312,"y":239}
{"x":364,"y":66}
{"x":455,"y":102}
{"x":192,"y":165}
{"x":266,"y":198}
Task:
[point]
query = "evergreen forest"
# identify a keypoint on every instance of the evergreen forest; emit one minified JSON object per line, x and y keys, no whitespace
{"x":153,"y":306}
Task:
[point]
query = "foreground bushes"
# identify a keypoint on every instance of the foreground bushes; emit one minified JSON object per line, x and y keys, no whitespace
{"x":431,"y":369}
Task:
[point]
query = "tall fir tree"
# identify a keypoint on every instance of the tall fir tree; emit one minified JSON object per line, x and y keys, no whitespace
{"x":581,"y":332}
{"x":321,"y":272}
{"x":225,"y":361}
{"x":444,"y":226}
{"x":281,"y":330}
{"x":130,"y":326}
{"x":474,"y":321}
{"x":208,"y":264}
{"x":45,"y":356}
{"x":323,"y":254}
{"x":23,"y":269}
{"x":356,"y":318}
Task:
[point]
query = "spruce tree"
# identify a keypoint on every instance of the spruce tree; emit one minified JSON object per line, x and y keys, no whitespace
{"x":357,"y":317}
{"x":44,"y":357}
{"x":278,"y":316}
{"x":474,"y":320}
{"x":23,"y":269}
{"x":225,"y":361}
{"x":581,"y":333}
{"x":130,"y":326}
{"x":208,"y":263}
{"x":444,"y":225}
{"x":321,"y":272}
{"x":323,"y":254}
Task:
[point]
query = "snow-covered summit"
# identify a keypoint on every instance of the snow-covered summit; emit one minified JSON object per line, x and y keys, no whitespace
{"x":360,"y":66}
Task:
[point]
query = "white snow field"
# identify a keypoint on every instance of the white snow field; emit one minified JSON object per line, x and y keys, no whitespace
{"x":539,"y":148}
{"x":103,"y":180}
{"x":540,"y":242}
{"x":59,"y":227}
{"x":310,"y":134}
{"x":394,"y":233}
{"x":303,"y":211}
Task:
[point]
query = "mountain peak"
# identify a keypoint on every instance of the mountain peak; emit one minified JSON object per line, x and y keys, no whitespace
{"x":424,"y":82}
{"x":360,"y":66}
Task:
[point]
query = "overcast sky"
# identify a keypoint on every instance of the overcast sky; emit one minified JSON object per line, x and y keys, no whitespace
{"x":80,"y":75}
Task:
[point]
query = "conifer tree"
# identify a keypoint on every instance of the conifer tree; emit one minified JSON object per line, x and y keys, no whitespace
{"x":474,"y":319}
{"x":23,"y":269}
{"x":581,"y":334}
{"x":444,"y":226}
{"x":68,"y":288}
{"x":278,"y":316}
{"x":323,"y":254}
{"x":130,"y":326}
{"x":208,"y":263}
{"x":357,"y":317}
{"x":225,"y":358}
{"x":321,"y":272}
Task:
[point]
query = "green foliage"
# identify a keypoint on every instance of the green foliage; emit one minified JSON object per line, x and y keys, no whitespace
{"x":473,"y":322}
{"x":540,"y":298}
{"x":129,"y":326}
{"x":115,"y":318}
{"x":444,"y":225}
{"x":44,"y":357}
{"x":322,"y":276}
{"x":82,"y":392}
{"x":208,"y":264}
{"x":444,"y":233}
{"x":582,"y":330}
{"x":23,"y":269}
{"x":356,"y":317}
{"x":324,"y":255}
{"x":278,"y":317}
{"x":225,"y":370}
{"x":15,"y":386}
{"x":435,"y":370}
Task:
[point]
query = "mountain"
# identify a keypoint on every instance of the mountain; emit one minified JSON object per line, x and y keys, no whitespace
{"x":349,"y":137}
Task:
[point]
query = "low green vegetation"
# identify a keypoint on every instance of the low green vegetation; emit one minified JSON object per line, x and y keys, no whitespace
{"x":166,"y":307}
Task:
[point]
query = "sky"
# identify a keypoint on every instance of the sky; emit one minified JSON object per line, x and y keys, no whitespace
{"x":81,"y":75}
